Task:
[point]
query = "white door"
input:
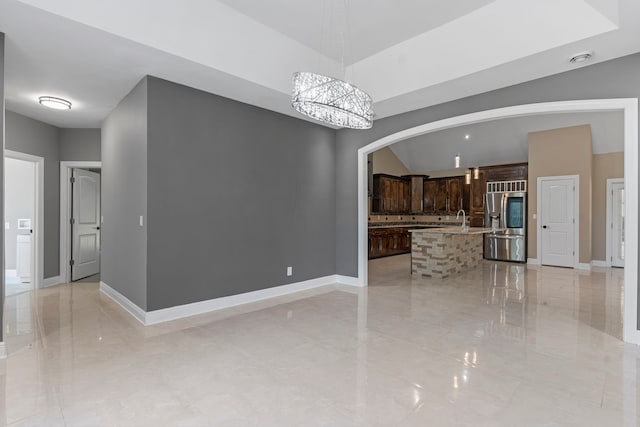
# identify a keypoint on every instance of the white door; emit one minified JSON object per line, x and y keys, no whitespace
{"x":617,"y":224}
{"x":557,"y":221}
{"x":85,"y":224}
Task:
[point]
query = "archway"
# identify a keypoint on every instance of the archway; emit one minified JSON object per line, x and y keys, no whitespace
{"x":629,"y":107}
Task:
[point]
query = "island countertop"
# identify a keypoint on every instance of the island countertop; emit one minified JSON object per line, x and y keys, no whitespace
{"x":456,"y":230}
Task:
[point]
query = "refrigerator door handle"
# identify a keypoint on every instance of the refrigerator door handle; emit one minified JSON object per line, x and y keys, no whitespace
{"x":505,"y":236}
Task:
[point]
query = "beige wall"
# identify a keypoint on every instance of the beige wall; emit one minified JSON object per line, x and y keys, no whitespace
{"x":385,"y":161}
{"x":556,"y":152}
{"x":605,"y":166}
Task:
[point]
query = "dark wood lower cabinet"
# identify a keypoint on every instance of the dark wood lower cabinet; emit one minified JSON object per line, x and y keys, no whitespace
{"x":389,"y":241}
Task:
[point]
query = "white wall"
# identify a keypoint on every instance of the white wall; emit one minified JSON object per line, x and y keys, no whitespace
{"x":19,"y":203}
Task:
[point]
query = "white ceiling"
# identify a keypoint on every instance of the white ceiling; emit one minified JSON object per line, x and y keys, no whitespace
{"x":407,"y":55}
{"x":502,"y":141}
{"x":354,"y":29}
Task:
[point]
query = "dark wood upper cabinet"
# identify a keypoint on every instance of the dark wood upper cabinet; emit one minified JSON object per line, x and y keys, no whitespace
{"x":390,"y":194}
{"x":393,"y":193}
{"x":442,"y":197}
{"x":416,"y":189}
{"x":455,"y":194}
{"x":430,"y":192}
{"x":406,"y":196}
{"x":466,"y":196}
{"x":477,"y":192}
{"x":512,"y":172}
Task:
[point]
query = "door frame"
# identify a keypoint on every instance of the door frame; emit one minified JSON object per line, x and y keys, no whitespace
{"x":38,"y":230}
{"x":576,"y":213}
{"x":609,"y":217}
{"x":65,"y":212}
{"x":629,"y":108}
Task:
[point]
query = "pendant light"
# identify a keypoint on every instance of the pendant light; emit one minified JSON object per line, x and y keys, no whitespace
{"x":467,"y":176}
{"x":456,"y":161}
{"x":331,"y":100}
{"x":476,"y":173}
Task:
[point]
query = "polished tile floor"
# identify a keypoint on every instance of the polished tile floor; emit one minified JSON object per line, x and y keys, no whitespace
{"x":13,"y":285}
{"x":502,"y":345}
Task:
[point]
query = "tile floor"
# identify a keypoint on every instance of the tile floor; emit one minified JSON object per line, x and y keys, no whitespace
{"x":501,"y":345}
{"x":13,"y":284}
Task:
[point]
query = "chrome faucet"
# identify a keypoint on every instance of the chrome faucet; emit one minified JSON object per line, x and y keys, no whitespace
{"x":464,"y":218}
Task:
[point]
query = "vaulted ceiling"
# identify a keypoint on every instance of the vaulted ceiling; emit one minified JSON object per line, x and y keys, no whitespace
{"x":407,"y":54}
{"x":502,"y":141}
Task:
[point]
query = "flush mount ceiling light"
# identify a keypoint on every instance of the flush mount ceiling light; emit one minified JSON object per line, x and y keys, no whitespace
{"x":581,"y":57}
{"x":331,"y":100}
{"x":55,"y":103}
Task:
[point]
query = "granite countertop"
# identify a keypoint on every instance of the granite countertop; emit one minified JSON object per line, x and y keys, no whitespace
{"x":456,"y":230}
{"x":431,"y":224}
{"x":405,"y":226}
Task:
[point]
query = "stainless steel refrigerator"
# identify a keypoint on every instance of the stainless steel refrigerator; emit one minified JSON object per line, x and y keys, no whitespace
{"x":506,"y":212}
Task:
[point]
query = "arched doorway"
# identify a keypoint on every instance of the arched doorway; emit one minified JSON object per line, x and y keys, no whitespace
{"x":629,"y":107}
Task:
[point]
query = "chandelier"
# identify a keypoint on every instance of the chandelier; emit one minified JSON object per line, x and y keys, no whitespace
{"x":331,"y":100}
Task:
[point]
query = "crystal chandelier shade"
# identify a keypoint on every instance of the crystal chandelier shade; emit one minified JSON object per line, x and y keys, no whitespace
{"x":331,"y":101}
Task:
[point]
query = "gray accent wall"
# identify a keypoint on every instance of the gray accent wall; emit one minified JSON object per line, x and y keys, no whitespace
{"x":619,"y":78}
{"x":80,"y":144}
{"x":2,"y":184}
{"x":236,"y":194}
{"x":124,"y":197}
{"x":40,"y":139}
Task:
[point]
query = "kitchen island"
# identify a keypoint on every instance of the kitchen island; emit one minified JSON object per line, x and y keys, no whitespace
{"x":444,"y":252}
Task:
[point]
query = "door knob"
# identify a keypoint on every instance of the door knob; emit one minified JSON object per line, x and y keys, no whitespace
{"x":544,"y":226}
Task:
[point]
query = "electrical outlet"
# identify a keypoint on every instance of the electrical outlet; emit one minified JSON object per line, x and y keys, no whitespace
{"x":289,"y":271}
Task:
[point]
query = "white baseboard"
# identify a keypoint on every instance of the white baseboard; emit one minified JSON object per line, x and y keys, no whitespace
{"x":583,"y":266}
{"x":348,"y":280}
{"x":52,"y":281}
{"x":201,"y":307}
{"x":180,"y":311}
{"x":124,"y":302}
{"x":631,"y":336}
{"x":579,"y":266}
{"x":3,"y":350}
